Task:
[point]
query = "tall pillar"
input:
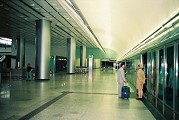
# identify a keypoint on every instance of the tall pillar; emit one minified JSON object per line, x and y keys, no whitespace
{"x":20,"y":59}
{"x":90,"y":63}
{"x":141,"y":59}
{"x":71,"y":55}
{"x":42,"y":64}
{"x":82,"y":56}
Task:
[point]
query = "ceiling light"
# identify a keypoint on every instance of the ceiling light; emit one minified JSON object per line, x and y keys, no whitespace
{"x":53,"y":4}
{"x":6,"y":41}
{"x":169,"y":24}
{"x":32,"y":4}
{"x":37,"y":8}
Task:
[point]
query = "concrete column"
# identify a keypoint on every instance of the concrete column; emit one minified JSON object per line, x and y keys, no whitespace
{"x":141,"y":59}
{"x":82,"y":56}
{"x":42,"y":64}
{"x":71,"y":55}
{"x":20,"y":58}
{"x":90,"y":63}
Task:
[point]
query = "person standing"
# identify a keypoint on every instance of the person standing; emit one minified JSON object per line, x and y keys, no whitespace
{"x":140,"y":81}
{"x":121,"y":78}
{"x":29,"y":72}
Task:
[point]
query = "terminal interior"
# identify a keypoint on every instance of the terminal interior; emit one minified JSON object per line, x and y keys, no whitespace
{"x":75,"y":48}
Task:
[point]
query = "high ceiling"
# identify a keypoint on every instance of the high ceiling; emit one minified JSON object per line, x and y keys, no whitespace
{"x":122,"y":24}
{"x":118,"y":25}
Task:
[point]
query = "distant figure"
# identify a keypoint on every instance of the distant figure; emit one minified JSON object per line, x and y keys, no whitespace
{"x":140,"y":81}
{"x":121,"y":78}
{"x":29,"y":72}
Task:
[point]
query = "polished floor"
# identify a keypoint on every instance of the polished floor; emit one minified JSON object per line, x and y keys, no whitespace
{"x":70,"y":97}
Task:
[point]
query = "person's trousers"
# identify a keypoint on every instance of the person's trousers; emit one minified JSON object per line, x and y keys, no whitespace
{"x":120,"y":85}
{"x":29,"y":75}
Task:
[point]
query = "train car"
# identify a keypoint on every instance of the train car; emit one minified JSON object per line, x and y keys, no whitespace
{"x":161,"y":62}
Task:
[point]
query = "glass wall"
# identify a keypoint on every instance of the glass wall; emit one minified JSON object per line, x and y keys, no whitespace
{"x":151,"y":72}
{"x":163,"y":80}
{"x":168,"y":83}
{"x":149,"y":69}
{"x":154,"y":74}
{"x":161,"y":74}
{"x":170,"y":76}
{"x":152,"y":77}
{"x":177,"y":85}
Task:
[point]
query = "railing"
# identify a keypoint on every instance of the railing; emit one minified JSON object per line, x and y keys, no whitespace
{"x":18,"y":73}
{"x":81,"y":70}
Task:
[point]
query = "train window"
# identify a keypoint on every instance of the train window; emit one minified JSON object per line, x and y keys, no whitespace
{"x":161,"y":74}
{"x":170,"y":76}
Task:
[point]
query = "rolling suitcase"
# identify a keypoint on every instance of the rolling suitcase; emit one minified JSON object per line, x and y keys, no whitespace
{"x":125,"y":92}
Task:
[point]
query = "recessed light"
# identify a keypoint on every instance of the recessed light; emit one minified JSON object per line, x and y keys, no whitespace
{"x":32,"y":4}
{"x":37,"y":8}
{"x":59,"y":24}
{"x":53,"y":4}
{"x":21,"y":16}
{"x":57,"y":8}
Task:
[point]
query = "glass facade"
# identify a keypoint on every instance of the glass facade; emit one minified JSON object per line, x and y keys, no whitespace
{"x":161,"y":74}
{"x":162,"y":79}
{"x":177,"y":84}
{"x":169,"y":76}
{"x":151,"y":78}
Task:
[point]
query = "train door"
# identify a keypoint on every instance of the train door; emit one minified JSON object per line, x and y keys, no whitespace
{"x":149,"y":69}
{"x":152,"y":77}
{"x":169,"y":81}
{"x":160,"y":81}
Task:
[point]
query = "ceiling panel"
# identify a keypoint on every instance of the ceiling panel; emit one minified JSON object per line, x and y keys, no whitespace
{"x":34,"y":15}
{"x":19,"y":20}
{"x":45,"y":6}
{"x":120,"y":25}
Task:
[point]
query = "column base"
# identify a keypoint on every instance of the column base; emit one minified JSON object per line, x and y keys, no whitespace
{"x":70,"y":73}
{"x":41,"y":79}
